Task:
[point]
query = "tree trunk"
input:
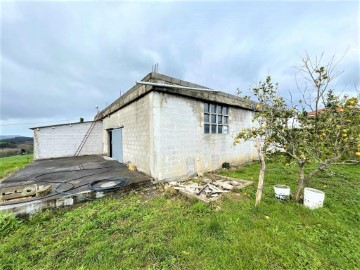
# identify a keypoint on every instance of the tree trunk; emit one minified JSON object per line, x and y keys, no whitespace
{"x":301,"y":181}
{"x":261,"y":173}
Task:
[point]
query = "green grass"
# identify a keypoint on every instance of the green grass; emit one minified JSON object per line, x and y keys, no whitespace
{"x":12,"y":164}
{"x":170,"y":232}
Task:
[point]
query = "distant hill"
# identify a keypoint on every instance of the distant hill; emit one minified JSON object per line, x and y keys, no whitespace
{"x":18,"y":139}
{"x":8,"y":136}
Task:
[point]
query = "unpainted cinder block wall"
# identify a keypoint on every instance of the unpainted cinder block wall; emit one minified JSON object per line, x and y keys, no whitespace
{"x":64,"y":140}
{"x":181,"y":148}
{"x":136,"y":134}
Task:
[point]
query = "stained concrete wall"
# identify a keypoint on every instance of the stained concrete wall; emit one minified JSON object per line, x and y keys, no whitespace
{"x":135,"y":119}
{"x":163,"y":135}
{"x":64,"y":140}
{"x":181,"y":148}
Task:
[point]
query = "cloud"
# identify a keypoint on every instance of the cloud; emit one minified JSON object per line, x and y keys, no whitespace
{"x":60,"y":59}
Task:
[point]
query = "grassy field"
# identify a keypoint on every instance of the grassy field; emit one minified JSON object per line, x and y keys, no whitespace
{"x":12,"y":164}
{"x":165,"y":231}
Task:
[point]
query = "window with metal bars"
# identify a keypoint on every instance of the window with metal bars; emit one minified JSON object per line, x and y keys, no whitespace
{"x":216,"y":118}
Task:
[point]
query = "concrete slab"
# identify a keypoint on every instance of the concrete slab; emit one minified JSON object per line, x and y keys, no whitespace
{"x":70,"y":179}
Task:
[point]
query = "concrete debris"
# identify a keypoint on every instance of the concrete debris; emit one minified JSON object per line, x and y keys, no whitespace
{"x":23,"y":192}
{"x":173,"y":183}
{"x":209,"y":189}
{"x":225,"y":185}
{"x":43,"y":190}
{"x":207,"y":180}
{"x":235,"y":183}
{"x":18,"y":192}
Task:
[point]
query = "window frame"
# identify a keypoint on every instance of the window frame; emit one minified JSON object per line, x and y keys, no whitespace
{"x":216,"y":117}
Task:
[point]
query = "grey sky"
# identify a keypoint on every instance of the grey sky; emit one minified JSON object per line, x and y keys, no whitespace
{"x":60,"y":59}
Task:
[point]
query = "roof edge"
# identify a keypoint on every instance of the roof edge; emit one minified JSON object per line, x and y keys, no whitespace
{"x":158,"y":77}
{"x":211,"y":96}
{"x":64,"y":124}
{"x":139,"y":90}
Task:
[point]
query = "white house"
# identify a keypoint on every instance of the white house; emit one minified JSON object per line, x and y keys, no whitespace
{"x":167,"y":127}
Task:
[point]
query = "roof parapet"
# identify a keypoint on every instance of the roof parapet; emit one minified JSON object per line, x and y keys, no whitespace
{"x":162,"y":83}
{"x":175,"y":86}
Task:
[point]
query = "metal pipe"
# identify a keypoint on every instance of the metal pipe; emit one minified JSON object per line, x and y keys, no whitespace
{"x":175,"y":86}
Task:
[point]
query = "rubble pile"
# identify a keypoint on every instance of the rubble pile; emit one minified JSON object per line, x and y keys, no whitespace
{"x":208,"y":189}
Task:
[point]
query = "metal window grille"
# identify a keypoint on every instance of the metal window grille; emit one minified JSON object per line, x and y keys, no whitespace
{"x":216,"y":119}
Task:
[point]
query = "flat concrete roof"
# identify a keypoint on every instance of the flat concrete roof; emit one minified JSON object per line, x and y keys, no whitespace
{"x":139,"y":90}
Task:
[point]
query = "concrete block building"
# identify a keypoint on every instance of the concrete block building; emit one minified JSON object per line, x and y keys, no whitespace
{"x":64,"y":140}
{"x":168,"y":128}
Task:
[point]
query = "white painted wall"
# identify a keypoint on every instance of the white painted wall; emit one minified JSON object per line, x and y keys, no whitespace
{"x":64,"y":140}
{"x":136,"y":133}
{"x":181,"y":148}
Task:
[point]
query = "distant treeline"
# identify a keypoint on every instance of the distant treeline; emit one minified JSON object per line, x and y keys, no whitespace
{"x":7,"y":145}
{"x":16,"y":146}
